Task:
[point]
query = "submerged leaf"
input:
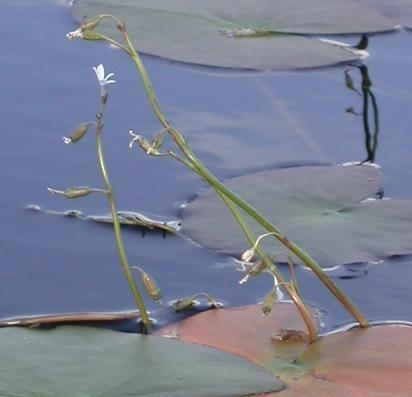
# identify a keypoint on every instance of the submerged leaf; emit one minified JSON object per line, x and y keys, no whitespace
{"x":78,"y":361}
{"x":238,"y":33}
{"x":321,"y":208}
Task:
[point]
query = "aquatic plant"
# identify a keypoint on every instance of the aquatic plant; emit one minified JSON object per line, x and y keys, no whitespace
{"x":75,"y":192}
{"x":234,"y":202}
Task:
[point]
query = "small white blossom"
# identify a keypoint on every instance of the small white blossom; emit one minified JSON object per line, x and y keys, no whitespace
{"x":78,"y":33}
{"x":135,"y":138}
{"x":103,"y":80}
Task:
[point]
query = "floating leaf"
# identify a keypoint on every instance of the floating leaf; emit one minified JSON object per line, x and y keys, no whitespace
{"x":79,"y":361}
{"x":129,"y":218}
{"x":132,"y":218}
{"x":359,"y":363}
{"x":244,"y":331}
{"x":238,"y":34}
{"x":321,"y":208}
{"x":400,"y":11}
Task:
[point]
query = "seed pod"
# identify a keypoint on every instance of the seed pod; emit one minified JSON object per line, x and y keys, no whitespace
{"x":74,"y":192}
{"x":184,"y":304}
{"x":89,"y":35}
{"x":77,"y":134}
{"x":257,"y":268}
{"x":90,"y":25}
{"x":269,"y":300}
{"x":147,"y":146}
{"x":151,"y":286}
{"x":158,"y":140}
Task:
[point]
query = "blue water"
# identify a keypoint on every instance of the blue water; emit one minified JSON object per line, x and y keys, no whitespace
{"x":237,"y":122}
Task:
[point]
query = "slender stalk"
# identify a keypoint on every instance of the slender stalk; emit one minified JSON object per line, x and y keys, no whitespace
{"x":293,"y":293}
{"x":303,"y":310}
{"x":218,"y":185}
{"x":117,"y":230}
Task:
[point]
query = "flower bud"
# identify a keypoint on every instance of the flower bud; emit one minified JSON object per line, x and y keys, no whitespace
{"x":257,"y":268}
{"x":248,"y":255}
{"x":269,"y":300}
{"x":77,"y":134}
{"x":74,"y":192}
{"x":158,"y":140}
{"x":150,"y":285}
{"x":90,"y":25}
{"x":184,"y":303}
{"x":89,"y":35}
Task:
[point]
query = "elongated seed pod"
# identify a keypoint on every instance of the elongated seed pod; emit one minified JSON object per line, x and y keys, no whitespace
{"x":184,"y":303}
{"x":78,"y":133}
{"x":269,"y":301}
{"x":257,"y":268}
{"x":150,"y":285}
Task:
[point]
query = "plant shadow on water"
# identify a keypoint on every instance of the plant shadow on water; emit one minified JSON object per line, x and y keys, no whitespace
{"x":237,"y":122}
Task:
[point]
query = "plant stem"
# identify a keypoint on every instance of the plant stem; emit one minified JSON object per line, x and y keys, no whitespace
{"x":117,"y":231}
{"x":222,"y":188}
{"x":297,"y":300}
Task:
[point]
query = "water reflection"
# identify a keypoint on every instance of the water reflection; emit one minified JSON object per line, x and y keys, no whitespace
{"x":370,"y":111}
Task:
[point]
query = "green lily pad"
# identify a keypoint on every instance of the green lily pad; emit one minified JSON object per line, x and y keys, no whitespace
{"x":321,"y":208}
{"x":239,"y":33}
{"x":400,"y":11}
{"x":86,"y":362}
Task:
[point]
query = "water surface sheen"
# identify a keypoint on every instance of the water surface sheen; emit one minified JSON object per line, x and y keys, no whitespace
{"x":237,"y":123}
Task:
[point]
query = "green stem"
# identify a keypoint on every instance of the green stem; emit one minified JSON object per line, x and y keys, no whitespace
{"x":118,"y":234}
{"x":218,"y":185}
{"x":297,"y":300}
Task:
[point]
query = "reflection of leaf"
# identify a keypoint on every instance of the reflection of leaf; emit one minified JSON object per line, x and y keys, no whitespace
{"x":77,"y":361}
{"x":359,"y":363}
{"x":321,"y":208}
{"x":238,"y":34}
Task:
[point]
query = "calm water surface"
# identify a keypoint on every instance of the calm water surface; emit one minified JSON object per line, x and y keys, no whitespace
{"x":237,"y":123}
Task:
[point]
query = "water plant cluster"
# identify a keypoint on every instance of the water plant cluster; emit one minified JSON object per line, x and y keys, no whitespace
{"x":321,"y":209}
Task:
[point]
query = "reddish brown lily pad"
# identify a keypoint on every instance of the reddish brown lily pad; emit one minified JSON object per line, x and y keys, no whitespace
{"x":371,"y":362}
{"x":245,"y":331}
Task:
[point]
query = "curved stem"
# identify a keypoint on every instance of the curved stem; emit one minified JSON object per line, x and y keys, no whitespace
{"x":303,"y":310}
{"x":218,"y":185}
{"x":118,"y":234}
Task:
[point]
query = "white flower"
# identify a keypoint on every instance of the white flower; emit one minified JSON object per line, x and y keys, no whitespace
{"x":76,"y":33}
{"x":103,"y":80}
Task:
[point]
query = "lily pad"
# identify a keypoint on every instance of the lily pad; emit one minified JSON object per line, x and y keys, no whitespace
{"x":239,"y":33}
{"x":400,"y":11}
{"x":79,"y":361}
{"x":358,"y":363}
{"x":246,"y":332}
{"x":321,"y":208}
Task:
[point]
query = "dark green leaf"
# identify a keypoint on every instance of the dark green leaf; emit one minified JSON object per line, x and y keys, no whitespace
{"x":322,"y":209}
{"x":200,"y":32}
{"x":77,"y":361}
{"x":400,"y":11}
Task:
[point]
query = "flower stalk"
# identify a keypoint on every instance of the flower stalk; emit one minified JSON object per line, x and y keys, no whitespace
{"x":196,"y":165}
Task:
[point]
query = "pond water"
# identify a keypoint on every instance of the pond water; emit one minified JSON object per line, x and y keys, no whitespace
{"x":237,"y":122}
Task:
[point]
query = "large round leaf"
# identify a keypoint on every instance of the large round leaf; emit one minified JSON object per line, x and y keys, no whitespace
{"x":322,"y":209}
{"x":201,"y":32}
{"x":245,"y":331}
{"x":400,"y":11}
{"x":372,"y":362}
{"x":85,"y":362}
